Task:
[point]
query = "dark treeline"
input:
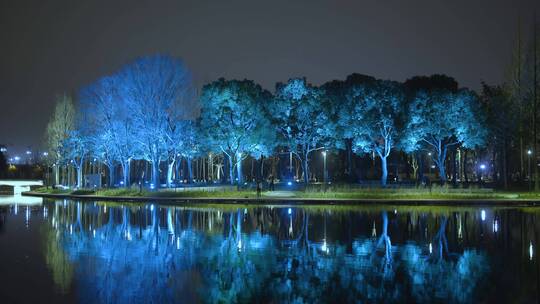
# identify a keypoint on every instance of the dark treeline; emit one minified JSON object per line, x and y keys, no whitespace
{"x":147,"y":124}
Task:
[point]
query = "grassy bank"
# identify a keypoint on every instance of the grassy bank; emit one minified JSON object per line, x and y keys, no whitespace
{"x":330,"y":193}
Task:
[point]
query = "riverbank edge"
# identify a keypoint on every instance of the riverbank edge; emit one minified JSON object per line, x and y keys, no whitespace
{"x":297,"y":201}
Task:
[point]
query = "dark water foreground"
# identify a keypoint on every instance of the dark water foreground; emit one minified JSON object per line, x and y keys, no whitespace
{"x":65,"y":251}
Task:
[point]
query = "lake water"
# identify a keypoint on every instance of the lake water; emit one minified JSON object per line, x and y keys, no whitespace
{"x":95,"y":252}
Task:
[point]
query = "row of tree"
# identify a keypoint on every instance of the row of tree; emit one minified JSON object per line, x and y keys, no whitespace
{"x":149,"y":111}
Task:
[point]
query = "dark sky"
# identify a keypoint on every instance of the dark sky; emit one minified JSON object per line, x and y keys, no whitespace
{"x":50,"y":47}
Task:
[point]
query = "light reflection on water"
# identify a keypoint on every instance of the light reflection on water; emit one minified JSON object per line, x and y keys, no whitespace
{"x":115,"y":253}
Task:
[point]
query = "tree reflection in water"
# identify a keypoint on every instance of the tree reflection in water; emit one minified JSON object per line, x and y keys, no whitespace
{"x":159,"y":254}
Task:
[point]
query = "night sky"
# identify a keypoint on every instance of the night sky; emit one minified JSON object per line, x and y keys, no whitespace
{"x":50,"y":47}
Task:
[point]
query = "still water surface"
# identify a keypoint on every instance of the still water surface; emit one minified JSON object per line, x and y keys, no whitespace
{"x":93,"y":252}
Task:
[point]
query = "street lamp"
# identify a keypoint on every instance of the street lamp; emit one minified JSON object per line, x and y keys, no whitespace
{"x":429,"y":154}
{"x":529,"y":153}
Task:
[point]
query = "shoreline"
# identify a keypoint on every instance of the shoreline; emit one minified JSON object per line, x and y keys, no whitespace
{"x":473,"y":202}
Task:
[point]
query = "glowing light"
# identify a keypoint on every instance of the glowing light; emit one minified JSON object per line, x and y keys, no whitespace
{"x":483,"y":215}
{"x":324,"y":247}
{"x":495,"y":226}
{"x":94,"y":233}
{"x":430,"y":248}
{"x":152,"y":186}
{"x":530,"y":251}
{"x":178,"y":243}
{"x":239,"y":245}
{"x":45,"y":153}
{"x":289,"y":211}
{"x":529,"y":152}
{"x":28,"y":152}
{"x":152,"y":207}
{"x":395,"y":211}
{"x":482,"y":166}
{"x":121,"y":182}
{"x":289,"y":183}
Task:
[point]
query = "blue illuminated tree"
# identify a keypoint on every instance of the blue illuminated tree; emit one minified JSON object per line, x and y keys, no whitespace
{"x":338,"y":132}
{"x":158,"y":90}
{"x":232,"y":117}
{"x":299,"y":115}
{"x":375,"y":119}
{"x":442,"y":119}
{"x":77,"y":147}
{"x":190,"y":144}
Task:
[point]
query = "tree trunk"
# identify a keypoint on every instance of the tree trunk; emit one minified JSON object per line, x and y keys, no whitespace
{"x":56,"y":175}
{"x":79,"y":176}
{"x":189,"y":170}
{"x":239,"y":169}
{"x":231,"y":170}
{"x":441,"y":158}
{"x":384,"y":170}
{"x":170,"y":170}
{"x":466,"y":177}
{"x":155,"y":174}
{"x":126,"y":173}
{"x":454,"y":168}
{"x":350,"y":169}
{"x":306,"y":170}
{"x":111,"y":175}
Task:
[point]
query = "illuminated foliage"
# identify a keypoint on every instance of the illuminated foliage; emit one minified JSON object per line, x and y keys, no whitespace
{"x":299,"y":114}
{"x":234,"y":121}
{"x":376,"y":119}
{"x":442,"y":119}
